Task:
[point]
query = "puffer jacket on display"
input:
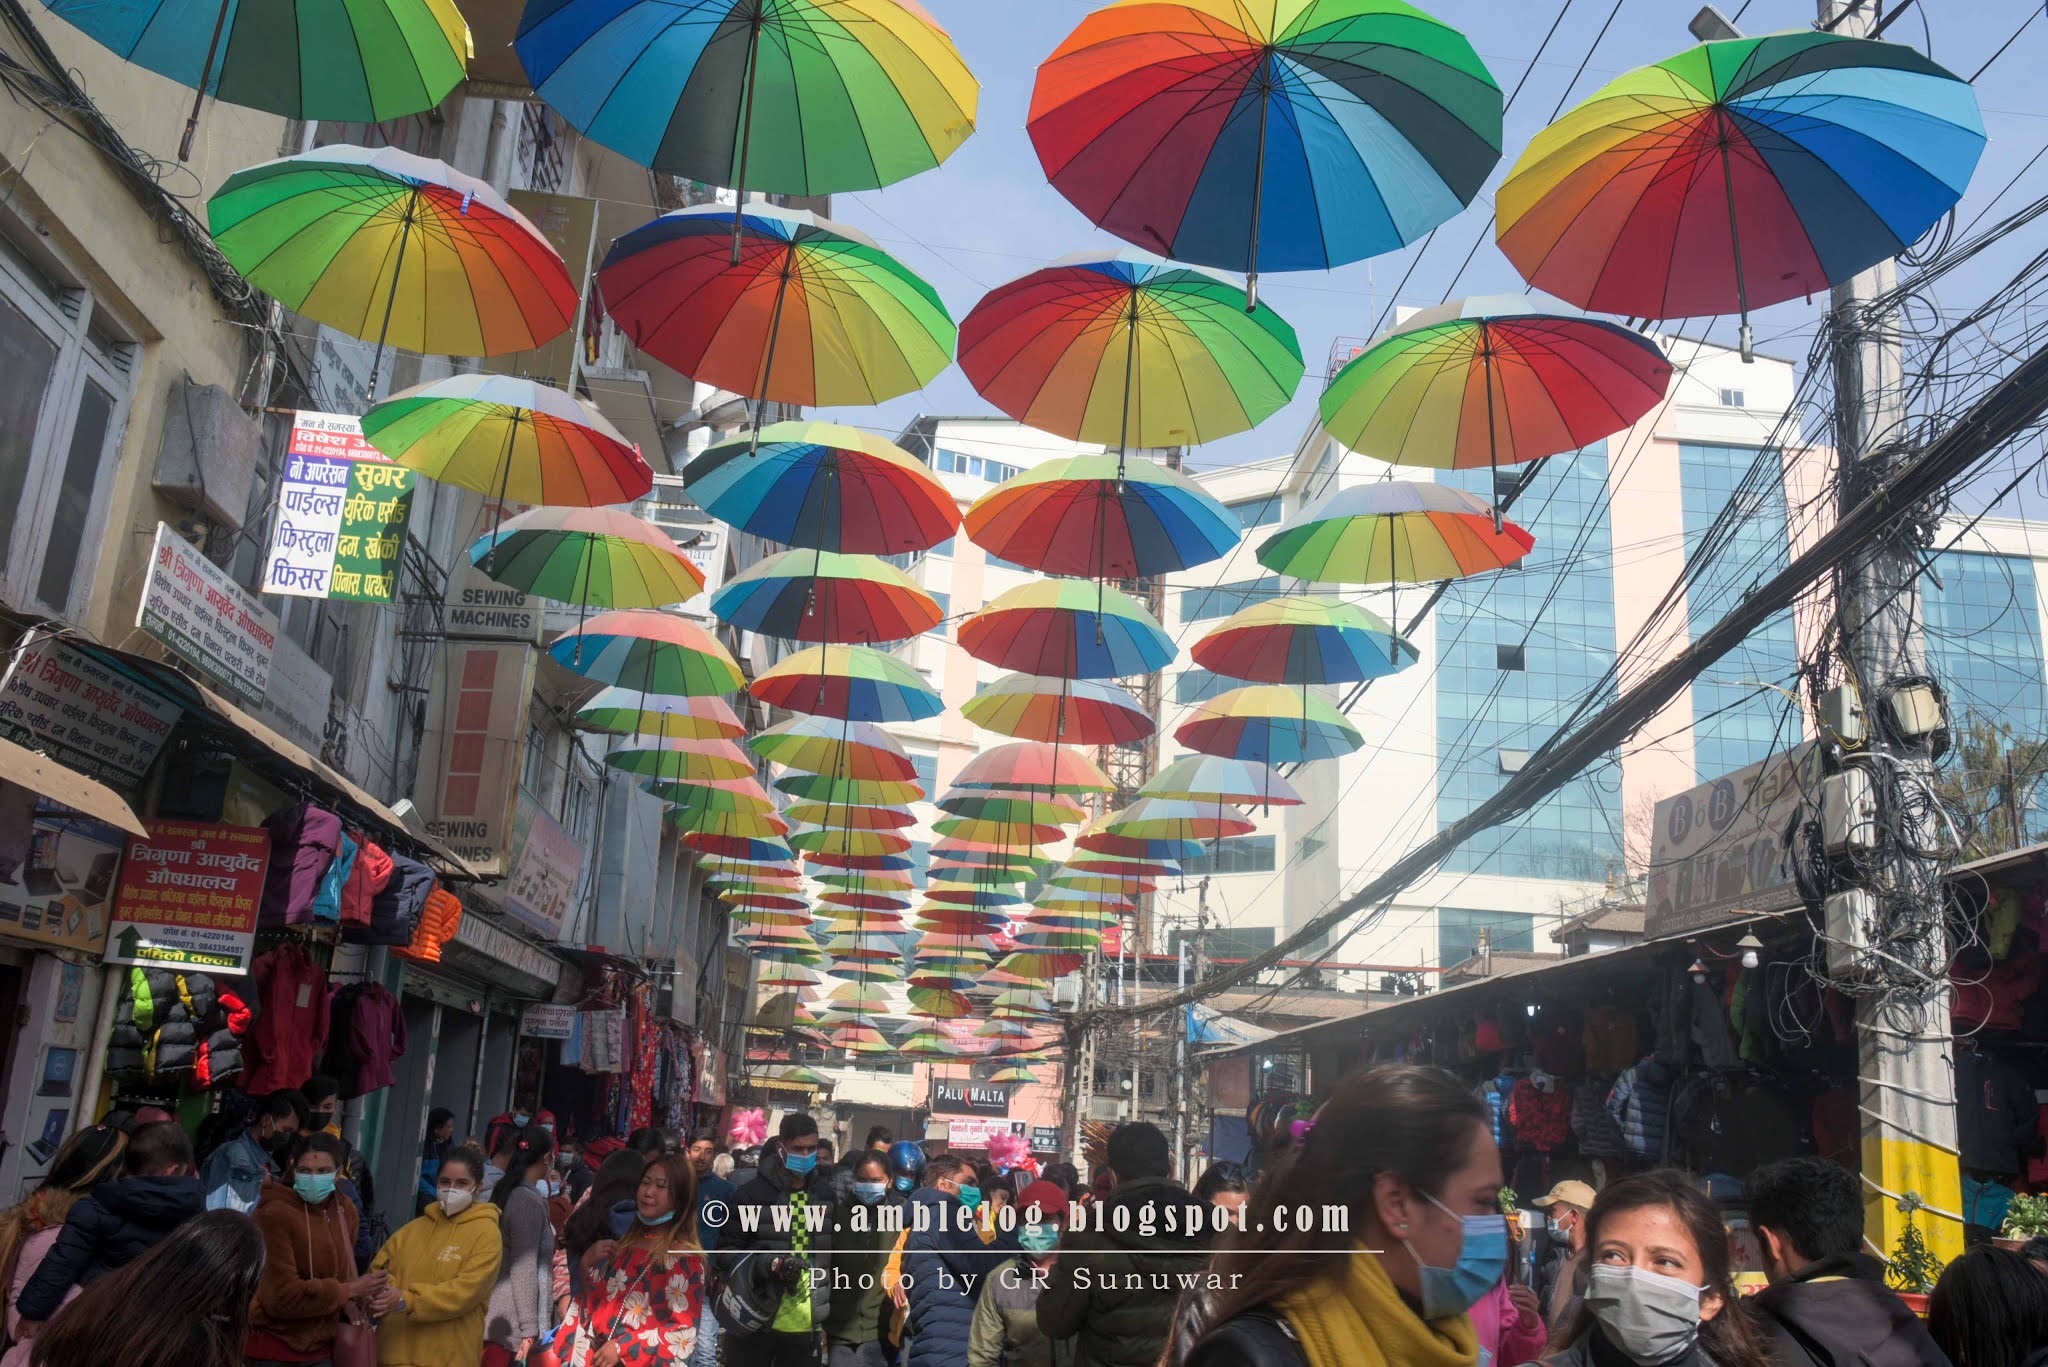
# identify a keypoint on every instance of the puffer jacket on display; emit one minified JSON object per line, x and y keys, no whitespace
{"x":366,"y":878}
{"x":1640,"y":1104}
{"x":327,"y":901}
{"x":303,"y":841}
{"x":395,"y":912}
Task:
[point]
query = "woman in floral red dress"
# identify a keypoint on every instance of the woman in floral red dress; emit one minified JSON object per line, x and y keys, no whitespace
{"x":645,"y":1290}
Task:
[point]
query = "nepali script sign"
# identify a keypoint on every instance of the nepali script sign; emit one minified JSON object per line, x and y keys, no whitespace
{"x":342,"y":510}
{"x":207,"y":619}
{"x":83,"y":714}
{"x":189,"y":896}
{"x":1724,"y":849}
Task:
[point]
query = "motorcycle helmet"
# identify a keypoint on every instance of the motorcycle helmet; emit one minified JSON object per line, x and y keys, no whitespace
{"x":906,"y":1164}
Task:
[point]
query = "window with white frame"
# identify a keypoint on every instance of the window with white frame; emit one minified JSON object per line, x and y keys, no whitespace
{"x":65,"y":382}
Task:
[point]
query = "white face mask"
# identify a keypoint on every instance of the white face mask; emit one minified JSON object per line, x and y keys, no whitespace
{"x":1648,"y":1316}
{"x":454,"y":1200}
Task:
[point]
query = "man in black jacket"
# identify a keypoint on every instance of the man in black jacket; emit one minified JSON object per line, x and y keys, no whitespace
{"x":1827,"y":1304}
{"x":121,"y":1220}
{"x":781,"y":1226}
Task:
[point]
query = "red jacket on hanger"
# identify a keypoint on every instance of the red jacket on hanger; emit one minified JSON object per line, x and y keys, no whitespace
{"x":291,"y":1024}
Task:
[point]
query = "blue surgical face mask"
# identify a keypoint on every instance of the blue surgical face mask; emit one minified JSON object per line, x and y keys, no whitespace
{"x":870,"y":1192}
{"x":970,"y":1197}
{"x":1039,"y":1238}
{"x":520,"y":1117}
{"x":661,"y":1219}
{"x":313,"y":1187}
{"x":800,"y":1163}
{"x":906,"y":1184}
{"x":1482,"y":1262}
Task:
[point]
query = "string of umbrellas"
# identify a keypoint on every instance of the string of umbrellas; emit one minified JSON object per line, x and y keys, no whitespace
{"x":1221,"y":142}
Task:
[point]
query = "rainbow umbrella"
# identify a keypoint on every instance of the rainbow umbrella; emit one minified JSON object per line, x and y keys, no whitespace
{"x":1158,"y":818}
{"x":381,"y":243}
{"x":836,"y":860}
{"x":1004,"y":832}
{"x":1013,"y":1074}
{"x":1739,"y":174}
{"x":824,"y":596}
{"x":787,"y":975}
{"x":1303,"y":641}
{"x":863,"y":902}
{"x":1099,"y":842}
{"x":1033,"y":766}
{"x":822,"y":787}
{"x":658,"y":651}
{"x":932,"y":1043}
{"x":1085,"y":712}
{"x":1130,"y":350}
{"x":1297,"y":137}
{"x":1102,"y":517}
{"x":629,"y":712}
{"x":741,"y":796}
{"x":852,"y":817}
{"x":368,"y":62}
{"x":736,"y":847}
{"x":1268,"y":724}
{"x":810,"y":312}
{"x":512,"y":438}
{"x":866,"y":882}
{"x":683,"y":761}
{"x":762,"y":902}
{"x":850,"y":682}
{"x":1393,"y":531}
{"x":1011,"y":804}
{"x":588,"y":556}
{"x":824,"y":487}
{"x":797,"y":1073}
{"x":1068,"y":628}
{"x":1212,"y":778}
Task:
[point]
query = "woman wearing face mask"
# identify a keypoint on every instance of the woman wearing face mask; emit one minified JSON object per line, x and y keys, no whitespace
{"x":1410,"y":1151}
{"x":441,"y":1269}
{"x":309,"y":1270}
{"x":522,"y":1302}
{"x":644,"y":1291}
{"x":1658,"y":1290}
{"x":853,"y":1323}
{"x":1005,"y":1331}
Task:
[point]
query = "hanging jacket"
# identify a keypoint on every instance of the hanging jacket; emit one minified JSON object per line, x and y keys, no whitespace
{"x":309,"y":1259}
{"x":1639,"y":1103}
{"x":1610,"y":1039}
{"x":1997,"y":1118}
{"x":291,"y":1021}
{"x":112,"y":1226}
{"x":440,"y":918}
{"x":376,"y":1040}
{"x":303,"y":841}
{"x":1542,"y":1119}
{"x":1598,"y":1135}
{"x":444,"y":1266}
{"x":369,"y":876}
{"x":1495,"y":1092}
{"x":395,"y":911}
{"x":1710,"y":1033}
{"x":327,"y":901}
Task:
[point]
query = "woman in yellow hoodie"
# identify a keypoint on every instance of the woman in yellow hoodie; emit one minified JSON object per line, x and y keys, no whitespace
{"x":442,"y":1267}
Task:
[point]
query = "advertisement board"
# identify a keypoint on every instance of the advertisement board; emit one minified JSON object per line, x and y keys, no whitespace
{"x":342,"y":510}
{"x":474,"y":748}
{"x":188,"y":896}
{"x":954,"y":1097}
{"x":1721,"y":850}
{"x":206,"y":619}
{"x":62,"y":893}
{"x":82,"y":714}
{"x":548,"y":1022}
{"x":546,"y":867}
{"x":974,"y":1132}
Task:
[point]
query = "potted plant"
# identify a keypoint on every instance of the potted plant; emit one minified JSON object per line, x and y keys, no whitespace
{"x":1913,"y":1267}
{"x":2026,"y":1218}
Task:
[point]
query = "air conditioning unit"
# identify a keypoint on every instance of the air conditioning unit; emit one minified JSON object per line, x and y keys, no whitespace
{"x":1848,"y":812}
{"x":210,"y":454}
{"x":1849,"y":920}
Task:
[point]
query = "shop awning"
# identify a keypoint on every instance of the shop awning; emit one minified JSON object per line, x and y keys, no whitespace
{"x":42,"y":775}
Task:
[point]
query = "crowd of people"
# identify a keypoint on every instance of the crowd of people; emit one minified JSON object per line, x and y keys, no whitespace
{"x":1379,"y":1241}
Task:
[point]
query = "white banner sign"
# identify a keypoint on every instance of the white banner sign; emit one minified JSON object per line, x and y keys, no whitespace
{"x":1721,"y":850}
{"x":342,"y":510}
{"x":548,"y":1022}
{"x":207,"y":619}
{"x":544,"y":871}
{"x":82,"y":714}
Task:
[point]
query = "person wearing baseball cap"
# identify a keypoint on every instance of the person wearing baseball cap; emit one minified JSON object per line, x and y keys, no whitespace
{"x":1557,"y":1270}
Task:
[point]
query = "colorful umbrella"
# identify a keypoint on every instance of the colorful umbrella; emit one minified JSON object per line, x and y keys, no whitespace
{"x":1268,"y":724}
{"x":657,"y":651}
{"x":1739,"y":174}
{"x":998,"y":832}
{"x":827,"y":597}
{"x":512,"y":438}
{"x":1011,"y":804}
{"x":933,"y":1043}
{"x":1298,"y":136}
{"x":1158,"y":818}
{"x":683,"y":761}
{"x":822,"y":787}
{"x":1393,"y":531}
{"x":852,"y":818}
{"x":824,"y":487}
{"x":1102,"y":517}
{"x":589,"y":556}
{"x":1032,"y":766}
{"x":366,"y":62}
{"x":817,"y":745}
{"x":713,"y":797}
{"x":810,"y":312}
{"x":1304,"y":641}
{"x":1069,"y":628}
{"x":866,"y":882}
{"x":736,"y":847}
{"x":1128,"y":351}
{"x":1212,"y":778}
{"x":629,"y":712}
{"x":380,"y":243}
{"x":1085,"y":712}
{"x":852,"y":682}
{"x":797,"y":97}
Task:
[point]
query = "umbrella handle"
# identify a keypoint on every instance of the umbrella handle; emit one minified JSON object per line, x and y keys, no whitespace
{"x":768,"y":359}
{"x":1251,"y":281}
{"x":739,"y":205}
{"x":1492,"y":437}
{"x":391,"y":300}
{"x":220,"y":23}
{"x":1735,"y":239}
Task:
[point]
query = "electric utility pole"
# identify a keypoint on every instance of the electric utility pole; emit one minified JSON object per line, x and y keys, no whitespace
{"x":1906,"y":1074}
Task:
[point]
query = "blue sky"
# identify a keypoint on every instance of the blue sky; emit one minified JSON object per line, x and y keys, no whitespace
{"x":988,"y":215}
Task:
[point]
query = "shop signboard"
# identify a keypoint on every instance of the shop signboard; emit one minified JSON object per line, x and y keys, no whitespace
{"x":479,"y":608}
{"x":82,"y":714}
{"x":569,"y":223}
{"x":62,"y":892}
{"x":548,"y":1022}
{"x":1045,"y":1139}
{"x":1722,"y":850}
{"x":206,"y":619}
{"x":546,"y":868}
{"x":953,"y":1097}
{"x":474,"y":749}
{"x":188,"y":897}
{"x":342,"y":510}
{"x":974,"y":1132}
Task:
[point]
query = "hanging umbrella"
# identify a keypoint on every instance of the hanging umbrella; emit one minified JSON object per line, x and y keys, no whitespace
{"x":1007,"y":1076}
{"x":823,"y":596}
{"x":864,"y":902}
{"x":366,"y":63}
{"x":1127,"y":847}
{"x":798,"y":97}
{"x":1393,"y":531}
{"x":761,"y":901}
{"x":657,"y":651}
{"x":510,"y":438}
{"x":810,"y":313}
{"x":1293,"y":137}
{"x":833,"y":840}
{"x":833,"y":859}
{"x":593,"y":557}
{"x":378,"y":243}
{"x":1212,"y":778}
{"x":1130,"y":350}
{"x":683,"y":761}
{"x":629,"y":712}
{"x":1268,"y":724}
{"x":1739,"y":174}
{"x":708,"y":797}
{"x":1158,"y":818}
{"x":864,"y":882}
{"x":821,"y":486}
{"x":1033,"y":766}
{"x":1081,"y":711}
{"x":853,"y":682}
{"x":822,"y":787}
{"x":1068,"y":628}
{"x":1102,"y":517}
{"x":1011,"y":804}
{"x":1002,"y":833}
{"x":851,"y":817}
{"x":737,"y":847}
{"x":1303,"y":641}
